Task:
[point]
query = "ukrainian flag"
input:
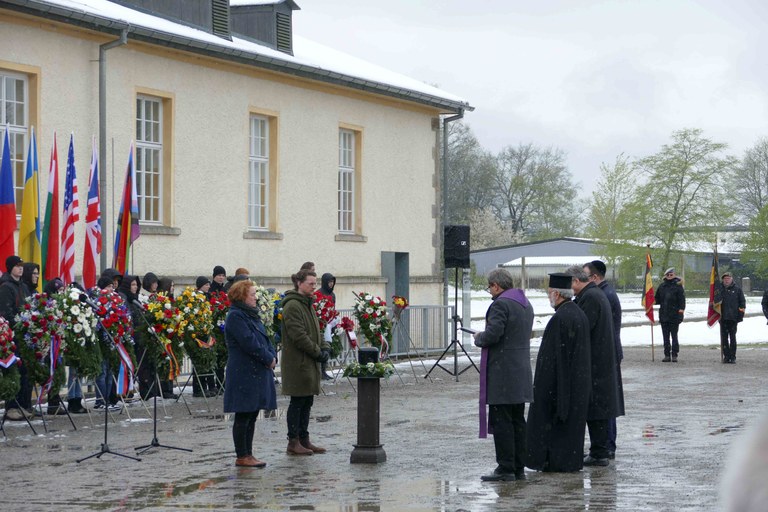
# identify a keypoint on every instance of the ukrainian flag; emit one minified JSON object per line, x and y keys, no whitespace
{"x":29,"y":228}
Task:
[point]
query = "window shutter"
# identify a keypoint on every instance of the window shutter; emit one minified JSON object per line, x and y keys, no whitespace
{"x":221,"y":18}
{"x":284,"y":33}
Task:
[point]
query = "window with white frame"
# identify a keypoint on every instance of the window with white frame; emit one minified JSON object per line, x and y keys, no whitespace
{"x":14,"y":113}
{"x":346,"y":188}
{"x":258,"y":174}
{"x":149,"y":158}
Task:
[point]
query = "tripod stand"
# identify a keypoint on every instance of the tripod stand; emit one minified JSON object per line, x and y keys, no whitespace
{"x":155,"y":443}
{"x":105,"y":445}
{"x":455,"y":344}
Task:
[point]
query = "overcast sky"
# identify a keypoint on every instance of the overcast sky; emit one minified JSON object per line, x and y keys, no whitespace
{"x":593,"y":78}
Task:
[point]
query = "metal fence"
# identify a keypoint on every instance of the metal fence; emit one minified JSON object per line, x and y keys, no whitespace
{"x":422,"y":329}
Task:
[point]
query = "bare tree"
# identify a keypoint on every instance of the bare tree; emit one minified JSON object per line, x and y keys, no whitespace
{"x":534,"y":192}
{"x":749,"y":184}
{"x":470,"y":174}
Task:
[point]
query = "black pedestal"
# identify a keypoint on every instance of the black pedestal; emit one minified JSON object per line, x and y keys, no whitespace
{"x":368,"y":449}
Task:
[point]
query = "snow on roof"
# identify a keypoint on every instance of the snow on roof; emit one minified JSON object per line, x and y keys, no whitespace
{"x":238,"y":3}
{"x":548,"y":261}
{"x":306,"y":52}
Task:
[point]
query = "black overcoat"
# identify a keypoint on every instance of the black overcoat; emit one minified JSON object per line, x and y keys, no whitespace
{"x":250,"y":382}
{"x":613,"y":300}
{"x":670,"y":296}
{"x":604,"y":399}
{"x":507,"y":336}
{"x":732,"y":302}
{"x":561,"y":387}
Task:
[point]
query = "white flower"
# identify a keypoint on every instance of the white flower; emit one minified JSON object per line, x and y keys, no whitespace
{"x":75,"y":310}
{"x":376,"y":300}
{"x":370,"y":366}
{"x":78,"y":328}
{"x":369,"y":310}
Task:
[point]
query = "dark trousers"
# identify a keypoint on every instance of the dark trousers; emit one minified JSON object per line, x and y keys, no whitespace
{"x":728,"y":338}
{"x":669,"y":329}
{"x":612,"y":434}
{"x":598,"y":438}
{"x":508,"y":423}
{"x":242,"y":432}
{"x":23,"y":398}
{"x":297,"y":416}
{"x":146,"y":373}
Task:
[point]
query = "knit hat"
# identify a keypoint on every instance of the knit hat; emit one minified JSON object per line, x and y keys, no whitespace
{"x":201,"y":281}
{"x":104,"y":281}
{"x":12,"y":261}
{"x":218,"y":270}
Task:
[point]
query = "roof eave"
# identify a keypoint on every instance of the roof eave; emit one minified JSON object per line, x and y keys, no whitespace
{"x":111,"y":26}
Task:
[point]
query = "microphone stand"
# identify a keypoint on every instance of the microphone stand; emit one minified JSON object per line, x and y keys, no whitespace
{"x":155,"y":443}
{"x":105,"y":445}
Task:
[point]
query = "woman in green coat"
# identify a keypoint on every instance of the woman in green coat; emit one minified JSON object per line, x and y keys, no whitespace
{"x":303,"y":352}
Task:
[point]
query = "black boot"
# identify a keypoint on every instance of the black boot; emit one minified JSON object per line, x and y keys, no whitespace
{"x":55,"y":406}
{"x":76,"y":406}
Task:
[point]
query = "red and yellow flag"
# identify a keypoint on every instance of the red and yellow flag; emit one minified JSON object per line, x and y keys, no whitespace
{"x":648,"y":296}
{"x":713,"y":312}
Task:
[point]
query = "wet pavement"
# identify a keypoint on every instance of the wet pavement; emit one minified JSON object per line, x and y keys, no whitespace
{"x":681,"y":420}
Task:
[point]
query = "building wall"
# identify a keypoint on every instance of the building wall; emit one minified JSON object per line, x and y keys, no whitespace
{"x":211,"y":102}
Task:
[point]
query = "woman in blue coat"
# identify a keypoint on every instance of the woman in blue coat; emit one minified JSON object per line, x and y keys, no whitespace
{"x":250,"y":381}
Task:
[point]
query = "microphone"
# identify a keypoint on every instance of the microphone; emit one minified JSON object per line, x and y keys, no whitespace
{"x":90,"y":302}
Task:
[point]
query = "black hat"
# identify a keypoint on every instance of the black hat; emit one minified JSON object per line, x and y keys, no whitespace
{"x":202,"y":281}
{"x":560,"y":280}
{"x":218,"y":270}
{"x":599,"y":265}
{"x":12,"y":261}
{"x":104,"y":281}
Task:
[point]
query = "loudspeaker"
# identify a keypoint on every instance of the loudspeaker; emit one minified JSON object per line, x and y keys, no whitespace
{"x":456,"y":251}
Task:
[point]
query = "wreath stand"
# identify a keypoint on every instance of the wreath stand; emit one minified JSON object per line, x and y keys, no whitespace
{"x":196,"y":375}
{"x":398,"y":327}
{"x":60,"y":407}
{"x":349,"y":352}
{"x":5,"y":415}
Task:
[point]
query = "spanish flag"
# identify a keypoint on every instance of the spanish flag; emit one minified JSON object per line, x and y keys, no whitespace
{"x":648,"y":296}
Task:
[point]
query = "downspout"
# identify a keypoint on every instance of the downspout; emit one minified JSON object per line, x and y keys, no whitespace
{"x":446,"y":274}
{"x":103,"y":140}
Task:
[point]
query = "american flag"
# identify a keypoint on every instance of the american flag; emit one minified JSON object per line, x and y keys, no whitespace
{"x":92,"y":224}
{"x":71,"y":215}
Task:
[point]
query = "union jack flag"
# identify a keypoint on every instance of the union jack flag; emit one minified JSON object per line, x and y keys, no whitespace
{"x":92,"y":224}
{"x":71,"y":215}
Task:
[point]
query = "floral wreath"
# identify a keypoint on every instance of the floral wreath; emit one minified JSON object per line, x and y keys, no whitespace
{"x":325,"y":309}
{"x":10,"y":382}
{"x":371,"y":314}
{"x":166,"y":322}
{"x":196,"y":336}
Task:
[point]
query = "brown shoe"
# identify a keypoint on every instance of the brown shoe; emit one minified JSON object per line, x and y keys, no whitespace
{"x":249,"y":461}
{"x":306,"y":443}
{"x":295,"y":448}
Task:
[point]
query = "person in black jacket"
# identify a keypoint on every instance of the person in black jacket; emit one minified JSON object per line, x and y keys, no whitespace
{"x":12,"y":294}
{"x":732,"y":306}
{"x":218,"y":279}
{"x":765,"y":304}
{"x":596,"y":272}
{"x":670,"y":296}
{"x":604,"y":399}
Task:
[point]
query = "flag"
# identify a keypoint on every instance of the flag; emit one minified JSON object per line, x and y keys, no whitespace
{"x":29,"y":227}
{"x":127,"y":220}
{"x":7,"y":203}
{"x":648,"y":298}
{"x":92,"y":224}
{"x":713,"y":312}
{"x":51,"y":234}
{"x":71,"y":215}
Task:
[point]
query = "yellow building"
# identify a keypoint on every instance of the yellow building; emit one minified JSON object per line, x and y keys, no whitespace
{"x":254,"y":148}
